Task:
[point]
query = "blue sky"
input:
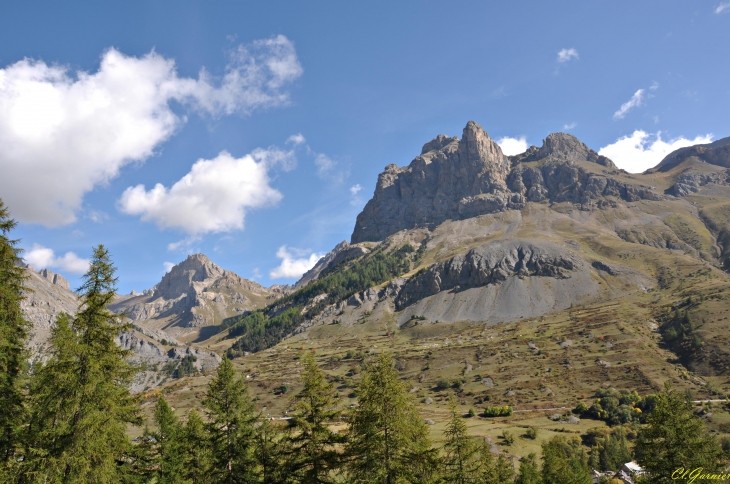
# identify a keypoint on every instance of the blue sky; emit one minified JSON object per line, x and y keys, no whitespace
{"x":254,"y":131}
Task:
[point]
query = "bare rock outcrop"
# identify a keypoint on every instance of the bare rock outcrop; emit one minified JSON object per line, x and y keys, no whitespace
{"x":341,"y":253}
{"x":691,"y":182}
{"x":489,"y":264}
{"x":457,"y":179}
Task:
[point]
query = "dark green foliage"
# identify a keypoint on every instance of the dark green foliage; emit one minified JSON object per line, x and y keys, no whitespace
{"x":262,"y":329}
{"x":564,"y":462}
{"x":270,"y":453}
{"x":198,"y":449}
{"x":675,"y":437}
{"x":388,"y":441}
{"x":461,"y":461}
{"x":679,"y":332}
{"x":80,"y":400}
{"x":313,"y":456}
{"x":529,"y":472}
{"x":181,"y":368}
{"x":172,"y":465}
{"x":505,"y":411}
{"x":13,"y":332}
{"x":231,"y":428}
{"x":610,"y":450}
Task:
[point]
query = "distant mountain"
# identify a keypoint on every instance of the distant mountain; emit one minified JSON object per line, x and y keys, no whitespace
{"x":49,"y":295}
{"x":193,"y":298}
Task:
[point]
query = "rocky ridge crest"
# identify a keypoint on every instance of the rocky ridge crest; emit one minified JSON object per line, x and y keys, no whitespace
{"x":456,"y":179}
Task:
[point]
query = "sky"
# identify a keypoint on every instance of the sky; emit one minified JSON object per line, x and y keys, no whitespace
{"x":254,"y":132}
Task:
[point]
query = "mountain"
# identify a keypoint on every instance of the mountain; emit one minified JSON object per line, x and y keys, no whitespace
{"x":192,"y":299}
{"x":494,"y":239}
{"x":48,"y":295}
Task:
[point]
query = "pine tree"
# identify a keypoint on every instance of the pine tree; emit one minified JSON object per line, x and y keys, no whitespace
{"x":13,"y":333}
{"x":388,"y":441}
{"x":312,"y":446}
{"x":197,"y":449}
{"x":461,"y":463}
{"x":231,"y":427}
{"x":170,"y":446}
{"x":610,"y":452}
{"x":81,"y":405}
{"x":675,"y":437}
{"x":564,"y":462}
{"x":528,"y":473}
{"x":270,"y":453}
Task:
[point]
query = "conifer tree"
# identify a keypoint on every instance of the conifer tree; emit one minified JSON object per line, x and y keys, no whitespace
{"x":313,"y":457}
{"x":81,"y":405}
{"x":170,"y":447}
{"x":388,"y":441}
{"x":528,"y":473}
{"x":197,"y":449}
{"x":270,"y":445}
{"x":675,"y":437}
{"x":13,"y":333}
{"x":564,"y":462}
{"x":461,"y":463}
{"x":231,"y":427}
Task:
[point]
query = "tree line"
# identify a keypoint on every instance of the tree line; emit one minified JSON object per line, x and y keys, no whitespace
{"x":67,"y":420}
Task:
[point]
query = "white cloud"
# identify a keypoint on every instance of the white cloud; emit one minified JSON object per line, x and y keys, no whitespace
{"x":168,"y":266}
{"x":213,"y":196}
{"x":186,"y":244}
{"x":635,"y":100}
{"x":636,"y":153}
{"x":292,"y":267}
{"x":566,"y":54}
{"x":512,"y":146}
{"x":654,"y":86}
{"x":355,"y":189}
{"x":568,"y":127}
{"x":296,"y":139}
{"x":62,"y":133}
{"x":41,"y":257}
{"x":723,"y":7}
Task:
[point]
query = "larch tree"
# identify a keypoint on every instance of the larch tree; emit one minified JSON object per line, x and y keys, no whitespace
{"x":388,"y":440}
{"x":231,"y":426}
{"x":169,"y":437}
{"x":313,"y":455}
{"x":528,"y":473}
{"x":13,"y":333}
{"x":80,"y":399}
{"x":461,"y":461}
{"x":675,"y":437}
{"x":564,"y":462}
{"x":197,"y":450}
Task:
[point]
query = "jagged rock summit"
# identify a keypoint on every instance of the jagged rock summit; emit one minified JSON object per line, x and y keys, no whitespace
{"x":456,"y":179}
{"x":195,"y":294}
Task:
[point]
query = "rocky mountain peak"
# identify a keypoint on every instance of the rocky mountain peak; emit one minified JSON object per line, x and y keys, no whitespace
{"x":457,"y":179}
{"x":438,"y":142}
{"x":715,"y":153}
{"x":179,"y":281}
{"x":56,"y":279}
{"x":563,"y":147}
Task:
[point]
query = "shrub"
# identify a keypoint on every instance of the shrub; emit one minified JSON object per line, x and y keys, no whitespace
{"x":505,"y":411}
{"x":531,"y":433}
{"x":442,"y":384}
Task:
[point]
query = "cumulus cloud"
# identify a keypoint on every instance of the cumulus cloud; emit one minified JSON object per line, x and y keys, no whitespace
{"x":355,"y":189}
{"x":567,"y":54}
{"x":62,"y":132}
{"x":568,"y":127}
{"x":212,"y":197}
{"x":294,"y":262}
{"x":168,"y":266}
{"x":723,"y":8}
{"x":296,"y":139}
{"x":42,"y":257}
{"x":512,"y":146}
{"x":636,"y":100}
{"x":637,"y":153}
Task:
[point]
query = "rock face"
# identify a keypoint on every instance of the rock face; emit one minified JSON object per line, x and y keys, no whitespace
{"x":489,"y":264}
{"x":715,"y":153}
{"x":48,"y":296}
{"x":457,"y":179}
{"x":196,"y":293}
{"x":691,"y":182}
